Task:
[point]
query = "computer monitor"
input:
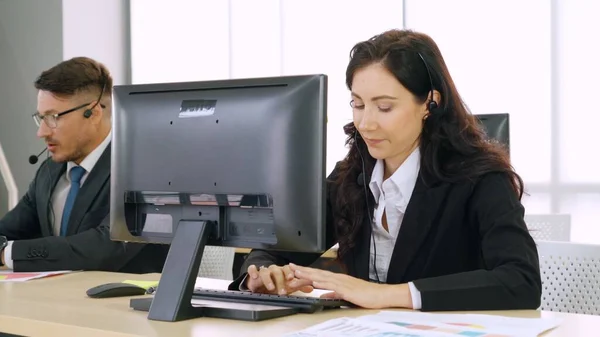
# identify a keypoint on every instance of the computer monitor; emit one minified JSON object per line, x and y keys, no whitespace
{"x":497,"y":128}
{"x":237,"y":163}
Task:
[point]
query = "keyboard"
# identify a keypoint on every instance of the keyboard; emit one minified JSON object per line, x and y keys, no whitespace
{"x":304,"y":304}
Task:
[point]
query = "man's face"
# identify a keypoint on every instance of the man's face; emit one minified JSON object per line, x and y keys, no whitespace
{"x":72,"y":135}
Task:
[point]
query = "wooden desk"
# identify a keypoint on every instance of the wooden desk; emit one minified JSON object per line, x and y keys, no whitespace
{"x":58,"y":306}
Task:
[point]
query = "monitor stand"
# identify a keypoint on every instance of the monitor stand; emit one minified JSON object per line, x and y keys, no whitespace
{"x":172,"y":300}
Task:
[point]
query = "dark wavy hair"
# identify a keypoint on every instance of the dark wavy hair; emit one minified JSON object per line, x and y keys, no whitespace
{"x":452,"y":143}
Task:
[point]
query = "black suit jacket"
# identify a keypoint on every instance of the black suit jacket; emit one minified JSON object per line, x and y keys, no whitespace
{"x":465,"y":246}
{"x":87,"y":245}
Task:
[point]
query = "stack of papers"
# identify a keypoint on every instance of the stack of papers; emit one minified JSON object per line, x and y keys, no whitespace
{"x":416,"y":324}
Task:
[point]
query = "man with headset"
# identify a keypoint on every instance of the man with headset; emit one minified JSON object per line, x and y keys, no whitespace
{"x":61,"y":223}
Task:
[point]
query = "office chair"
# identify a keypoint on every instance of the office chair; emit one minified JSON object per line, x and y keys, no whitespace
{"x":570,"y":277}
{"x":549,"y":227}
{"x":217,"y":262}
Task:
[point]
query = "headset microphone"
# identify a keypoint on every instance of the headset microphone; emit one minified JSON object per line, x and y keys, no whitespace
{"x":361,"y":179}
{"x":34,"y":159}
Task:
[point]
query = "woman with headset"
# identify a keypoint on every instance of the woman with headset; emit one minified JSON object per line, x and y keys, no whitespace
{"x":426,"y":212}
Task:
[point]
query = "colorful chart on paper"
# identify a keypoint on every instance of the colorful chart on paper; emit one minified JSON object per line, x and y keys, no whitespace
{"x":462,"y":329}
{"x":416,"y":324}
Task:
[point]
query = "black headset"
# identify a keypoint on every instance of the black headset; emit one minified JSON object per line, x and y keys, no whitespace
{"x":432,"y":104}
{"x":88,"y":113}
{"x":432,"y":107}
{"x":362,"y":180}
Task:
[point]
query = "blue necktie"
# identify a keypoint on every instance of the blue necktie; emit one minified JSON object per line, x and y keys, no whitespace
{"x":75,"y":174}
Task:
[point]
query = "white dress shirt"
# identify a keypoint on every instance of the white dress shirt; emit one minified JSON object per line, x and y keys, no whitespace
{"x":392,"y":197}
{"x":61,"y":190}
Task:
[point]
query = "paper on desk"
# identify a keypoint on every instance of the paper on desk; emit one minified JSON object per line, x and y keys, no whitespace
{"x":414,"y":324}
{"x":345,"y":327}
{"x":10,"y":276}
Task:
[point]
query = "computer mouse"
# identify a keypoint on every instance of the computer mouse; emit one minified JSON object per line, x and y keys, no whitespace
{"x":115,"y":290}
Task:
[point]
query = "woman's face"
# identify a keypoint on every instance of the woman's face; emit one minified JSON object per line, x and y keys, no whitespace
{"x":387,"y":115}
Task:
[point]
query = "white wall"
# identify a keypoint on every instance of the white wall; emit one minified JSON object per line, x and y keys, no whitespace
{"x":30,"y":41}
{"x":534,"y":59}
{"x":205,"y":40}
{"x":577,"y":119}
{"x":98,"y":29}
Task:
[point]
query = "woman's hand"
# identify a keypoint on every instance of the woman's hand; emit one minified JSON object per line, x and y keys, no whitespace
{"x":275,"y":280}
{"x":359,"y":292}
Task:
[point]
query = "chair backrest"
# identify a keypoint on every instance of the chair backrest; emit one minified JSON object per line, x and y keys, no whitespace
{"x":550,"y":227}
{"x":217,"y":262}
{"x":570,"y":277}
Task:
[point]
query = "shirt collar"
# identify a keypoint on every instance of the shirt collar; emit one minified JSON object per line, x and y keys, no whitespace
{"x":91,"y":159}
{"x":404,"y":179}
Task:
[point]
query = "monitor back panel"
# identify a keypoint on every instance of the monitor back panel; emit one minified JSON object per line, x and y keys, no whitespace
{"x":182,"y":151}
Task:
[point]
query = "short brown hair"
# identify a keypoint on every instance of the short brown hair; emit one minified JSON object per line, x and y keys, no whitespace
{"x":75,"y":75}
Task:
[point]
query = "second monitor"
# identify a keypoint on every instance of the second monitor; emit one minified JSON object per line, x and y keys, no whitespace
{"x":497,"y":128}
{"x":237,"y":163}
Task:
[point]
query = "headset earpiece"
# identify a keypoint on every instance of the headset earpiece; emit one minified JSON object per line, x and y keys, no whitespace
{"x":432,"y":106}
{"x":88,"y":113}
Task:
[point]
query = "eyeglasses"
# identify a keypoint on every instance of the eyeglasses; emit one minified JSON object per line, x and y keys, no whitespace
{"x":51,"y":120}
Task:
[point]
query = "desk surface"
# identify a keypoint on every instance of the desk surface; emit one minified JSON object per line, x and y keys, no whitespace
{"x":58,"y":306}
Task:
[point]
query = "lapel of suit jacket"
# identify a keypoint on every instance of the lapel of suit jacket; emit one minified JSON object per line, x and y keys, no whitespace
{"x":89,"y":190}
{"x":54,"y":172}
{"x":361,"y":256}
{"x":420,"y":213}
